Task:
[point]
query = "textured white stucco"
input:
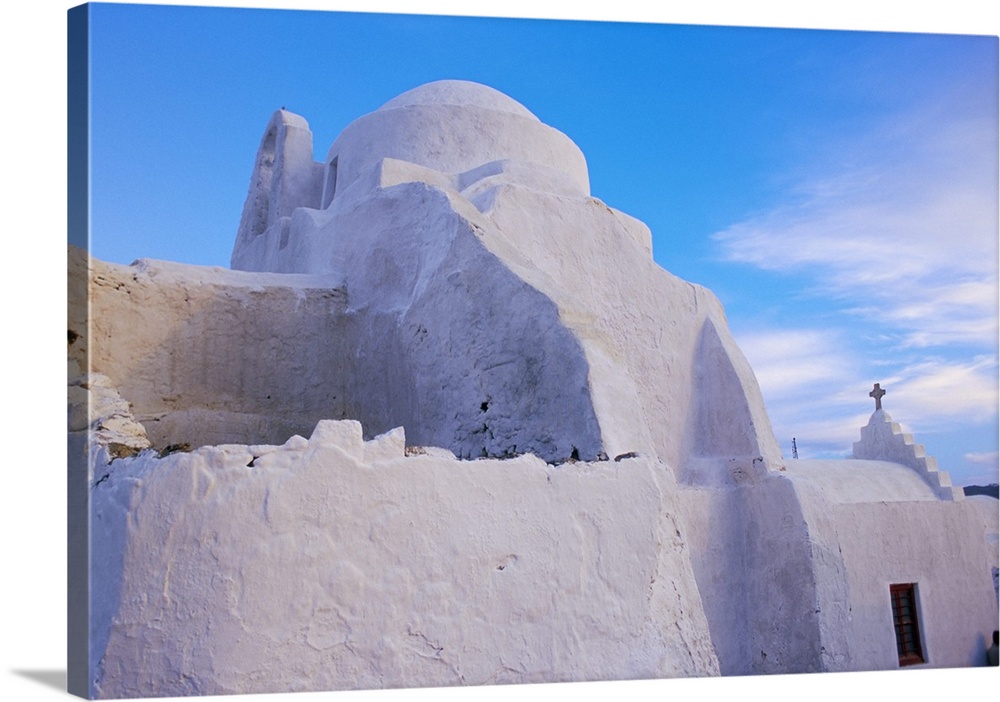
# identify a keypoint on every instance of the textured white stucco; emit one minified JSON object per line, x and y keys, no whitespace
{"x":865,"y":547}
{"x":470,"y":260}
{"x":592,"y":489}
{"x":334,"y":563}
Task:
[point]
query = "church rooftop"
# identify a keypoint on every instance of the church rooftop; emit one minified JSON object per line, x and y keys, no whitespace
{"x":459,"y":93}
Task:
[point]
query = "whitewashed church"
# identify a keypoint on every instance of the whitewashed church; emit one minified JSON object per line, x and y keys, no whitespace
{"x":446,"y":422}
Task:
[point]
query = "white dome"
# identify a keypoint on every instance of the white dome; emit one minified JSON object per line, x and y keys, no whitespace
{"x":460,"y":93}
{"x":454,"y":127}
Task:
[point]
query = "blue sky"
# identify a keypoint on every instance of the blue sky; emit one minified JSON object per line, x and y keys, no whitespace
{"x":837,"y":190}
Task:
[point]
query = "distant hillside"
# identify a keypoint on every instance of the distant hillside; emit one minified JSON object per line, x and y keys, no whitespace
{"x":993,"y":490}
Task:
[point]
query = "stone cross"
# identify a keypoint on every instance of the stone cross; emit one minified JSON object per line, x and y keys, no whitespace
{"x":877,"y":392}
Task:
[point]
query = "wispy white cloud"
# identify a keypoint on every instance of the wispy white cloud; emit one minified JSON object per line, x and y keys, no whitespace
{"x":988,"y":458}
{"x":979,"y":469}
{"x":894,"y":232}
{"x":936,"y":392}
{"x":815,"y":385}
{"x":794,"y":363}
{"x":903,"y":232}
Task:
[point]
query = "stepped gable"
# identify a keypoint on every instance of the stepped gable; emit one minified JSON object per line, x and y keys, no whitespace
{"x":883,"y":440}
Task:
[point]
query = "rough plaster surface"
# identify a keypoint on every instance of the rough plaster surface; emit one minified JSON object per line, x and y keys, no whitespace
{"x":486,"y":274}
{"x":209,"y":356}
{"x":445,"y":276}
{"x":335,"y":563}
{"x":868,"y":546}
{"x":847,"y":481}
{"x":752,"y":553}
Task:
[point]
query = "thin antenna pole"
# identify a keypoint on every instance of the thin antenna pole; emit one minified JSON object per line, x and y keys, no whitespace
{"x":795,"y":449}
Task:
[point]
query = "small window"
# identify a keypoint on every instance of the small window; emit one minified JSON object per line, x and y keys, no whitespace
{"x":330,"y":185}
{"x":904,"y":618}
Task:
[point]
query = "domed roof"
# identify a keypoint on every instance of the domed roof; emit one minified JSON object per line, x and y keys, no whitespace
{"x":462,"y":93}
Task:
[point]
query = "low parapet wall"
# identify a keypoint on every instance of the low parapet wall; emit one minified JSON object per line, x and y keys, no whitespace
{"x":335,"y":563}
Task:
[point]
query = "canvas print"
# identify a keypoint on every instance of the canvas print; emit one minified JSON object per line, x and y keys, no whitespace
{"x":417,"y":351}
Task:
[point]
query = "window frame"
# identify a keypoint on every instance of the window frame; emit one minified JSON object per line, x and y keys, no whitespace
{"x":906,"y":624}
